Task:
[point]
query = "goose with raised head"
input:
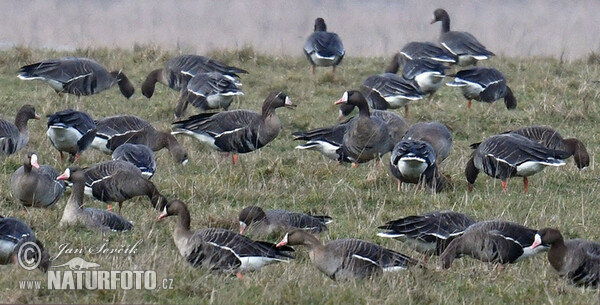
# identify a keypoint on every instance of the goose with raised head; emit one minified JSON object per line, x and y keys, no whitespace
{"x":484,"y":85}
{"x":14,"y":235}
{"x":261,"y":222}
{"x":207,"y":91}
{"x":71,"y":131}
{"x":139,"y":155}
{"x":322,"y":48}
{"x":35,"y":185}
{"x":15,"y":136}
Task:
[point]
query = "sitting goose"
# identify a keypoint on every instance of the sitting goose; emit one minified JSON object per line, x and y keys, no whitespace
{"x":113,"y":131}
{"x":416,"y":50}
{"x":178,"y":70}
{"x":346,"y":259}
{"x":139,"y":155}
{"x":35,"y":185}
{"x":485,"y":85}
{"x":91,"y":218}
{"x":578,"y":260}
{"x":76,"y":75}
{"x":220,"y":249}
{"x":434,"y":133}
{"x":15,"y":136}
{"x":414,"y":161}
{"x":15,"y":234}
{"x":507,"y":155}
{"x":71,"y":131}
{"x":206,"y":91}
{"x":322,"y":48}
{"x":464,"y":46}
{"x":268,"y":222}
{"x":237,"y":131}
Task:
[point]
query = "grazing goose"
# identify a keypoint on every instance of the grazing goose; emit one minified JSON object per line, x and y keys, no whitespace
{"x":427,"y":73}
{"x":395,"y":90}
{"x":178,"y":70}
{"x":91,"y":218}
{"x":485,"y":85}
{"x":35,"y":185}
{"x":553,"y":140}
{"x":15,"y":136}
{"x":206,"y":91}
{"x":434,"y":133}
{"x":492,"y":241}
{"x":322,"y":48}
{"x":429,"y":233}
{"x":415,"y":50}
{"x":237,"y":131}
{"x":76,"y":75}
{"x":71,"y":131}
{"x":111,"y":132}
{"x":139,"y":155}
{"x":15,"y":234}
{"x":467,"y":49}
{"x":346,"y":259}
{"x":220,"y":249}
{"x":326,"y":140}
{"x":414,"y":161}
{"x":507,"y":155}
{"x":578,"y":260}
{"x":269,"y":222}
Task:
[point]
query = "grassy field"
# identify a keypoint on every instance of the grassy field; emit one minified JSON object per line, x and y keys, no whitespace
{"x":560,"y":94}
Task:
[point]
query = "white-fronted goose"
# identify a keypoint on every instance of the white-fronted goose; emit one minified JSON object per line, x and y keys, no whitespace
{"x":346,"y":259}
{"x":322,"y":48}
{"x":395,"y":90}
{"x":467,"y":49}
{"x":326,"y":140}
{"x":206,"y":91}
{"x":76,"y":75}
{"x":113,"y":131}
{"x":553,"y":140}
{"x":15,"y":136}
{"x":237,"y":131}
{"x":427,"y":73}
{"x":414,"y":161}
{"x":71,"y":131}
{"x":485,"y":85}
{"x":178,"y":70}
{"x":139,"y":155}
{"x":15,"y":234}
{"x":507,"y":155}
{"x":577,"y":260}
{"x":91,"y":218}
{"x":415,"y":50}
{"x":261,"y":222}
{"x":492,"y":241}
{"x":429,"y":233}
{"x":35,"y":185}
{"x":434,"y":133}
{"x":220,"y":249}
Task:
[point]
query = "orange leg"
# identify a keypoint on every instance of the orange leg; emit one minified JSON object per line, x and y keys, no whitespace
{"x":76,"y":158}
{"x":354,"y":165}
{"x":239,"y":276}
{"x":469,"y":104}
{"x":469,"y":187}
{"x":399,"y":185}
{"x":109,"y":207}
{"x":235,"y":158}
{"x":491,"y":105}
{"x":333,"y":69}
{"x":504,"y":185}
{"x":525,"y":184}
{"x":313,"y":69}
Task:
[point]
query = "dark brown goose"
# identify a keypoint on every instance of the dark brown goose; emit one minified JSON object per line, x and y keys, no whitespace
{"x":322,"y":48}
{"x":485,"y":85}
{"x":261,"y":222}
{"x":15,"y":136}
{"x":434,"y":133}
{"x":71,"y":131}
{"x":35,"y":185}
{"x":14,"y":235}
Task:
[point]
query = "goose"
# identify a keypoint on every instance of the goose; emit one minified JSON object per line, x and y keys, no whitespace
{"x":269,"y":222}
{"x":16,"y":238}
{"x":178,"y":70}
{"x":326,"y":140}
{"x":427,"y":73}
{"x":506,"y":155}
{"x":416,"y":50}
{"x":429,"y":233}
{"x":414,"y":161}
{"x":76,"y":75}
{"x":464,"y":46}
{"x":577,"y":260}
{"x":434,"y":133}
{"x":322,"y":48}
{"x":206,"y":91}
{"x":139,"y":155}
{"x":71,"y":131}
{"x":35,"y":185}
{"x":395,"y":90}
{"x":346,"y":259}
{"x":220,"y":249}
{"x":237,"y":131}
{"x":15,"y":136}
{"x":111,"y":132}
{"x":485,"y":85}
{"x":92,"y":218}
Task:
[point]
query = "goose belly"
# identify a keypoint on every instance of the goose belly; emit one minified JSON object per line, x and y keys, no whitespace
{"x":471,"y":90}
{"x":64,"y":139}
{"x":6,"y":251}
{"x":397,"y":101}
{"x":429,"y":82}
{"x":528,"y":252}
{"x":323,"y":61}
{"x":467,"y":59}
{"x":256,"y":262}
{"x":221,"y":100}
{"x":327,"y":149}
{"x":202,"y":137}
{"x":529,"y":168}
{"x":412,"y":167}
{"x":100,"y":144}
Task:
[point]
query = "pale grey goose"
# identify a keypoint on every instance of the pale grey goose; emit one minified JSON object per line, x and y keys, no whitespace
{"x":139,"y":155}
{"x":17,"y":238}
{"x":434,"y":133}
{"x":71,"y":131}
{"x":414,"y":161}
{"x":15,"y":136}
{"x":35,"y":185}
{"x":417,"y":50}
{"x":322,"y":48}
{"x":207,"y":91}
{"x":261,"y":222}
{"x":485,"y":85}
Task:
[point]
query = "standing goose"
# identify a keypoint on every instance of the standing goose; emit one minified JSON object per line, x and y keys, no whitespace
{"x":434,"y":133}
{"x":15,"y":136}
{"x":416,"y":50}
{"x":427,"y":73}
{"x":322,"y":48}
{"x":178,"y":70}
{"x":139,"y":155}
{"x":206,"y":91}
{"x":220,"y":249}
{"x":467,"y":49}
{"x":268,"y":222}
{"x":15,"y":234}
{"x":578,"y":260}
{"x":414,"y":161}
{"x":346,"y":259}
{"x":395,"y":90}
{"x":507,"y":155}
{"x":71,"y":131}
{"x":113,"y":131}
{"x":92,"y":218}
{"x":485,"y":85}
{"x":76,"y":75}
{"x":237,"y":131}
{"x":35,"y":185}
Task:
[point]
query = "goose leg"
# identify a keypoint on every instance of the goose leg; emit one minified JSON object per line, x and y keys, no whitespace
{"x":109,"y":207}
{"x":399,"y":185}
{"x":313,"y":69}
{"x":239,"y":276}
{"x":120,"y":206}
{"x":235,"y":158}
{"x":333,"y":69}
{"x":60,"y":156}
{"x":406,"y":111}
{"x":77,"y":158}
{"x":491,"y":105}
{"x":504,"y":185}
{"x":354,"y":165}
{"x":469,"y":187}
{"x":525,"y":184}
{"x":469,"y":104}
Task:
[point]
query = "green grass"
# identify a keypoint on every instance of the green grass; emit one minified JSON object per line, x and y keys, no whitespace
{"x":562,"y":95}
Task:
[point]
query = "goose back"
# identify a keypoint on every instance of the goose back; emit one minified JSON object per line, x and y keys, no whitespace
{"x":415,"y":50}
{"x":208,"y":91}
{"x":434,"y":133}
{"x":71,"y":131}
{"x":261,"y":222}
{"x":139,"y":155}
{"x":323,"y":48}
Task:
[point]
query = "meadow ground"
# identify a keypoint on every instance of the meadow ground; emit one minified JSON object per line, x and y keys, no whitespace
{"x":560,"y":94}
